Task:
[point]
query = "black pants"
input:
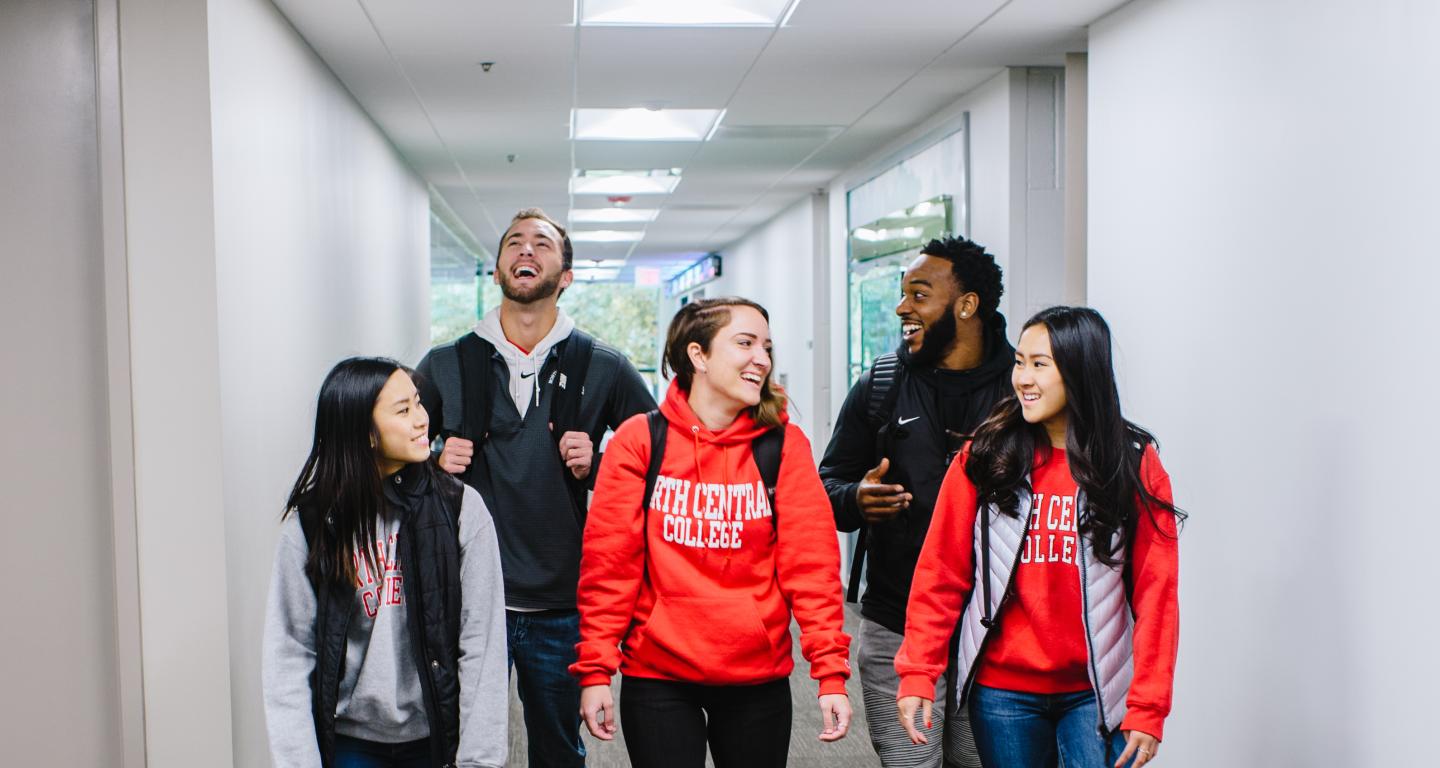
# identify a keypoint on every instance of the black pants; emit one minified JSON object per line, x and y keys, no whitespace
{"x":667,"y":724}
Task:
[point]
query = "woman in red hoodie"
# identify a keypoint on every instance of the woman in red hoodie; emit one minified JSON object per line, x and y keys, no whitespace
{"x":1067,"y":650}
{"x":690,"y":592}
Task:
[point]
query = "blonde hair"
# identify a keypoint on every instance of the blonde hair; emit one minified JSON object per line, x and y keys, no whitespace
{"x":699,"y":322}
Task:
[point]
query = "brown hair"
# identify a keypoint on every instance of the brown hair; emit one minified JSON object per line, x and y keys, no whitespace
{"x":567,"y":251}
{"x":698,"y":322}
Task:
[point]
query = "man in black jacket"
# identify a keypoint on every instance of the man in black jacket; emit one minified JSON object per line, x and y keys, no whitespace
{"x":902,"y":423}
{"x":522,"y":403}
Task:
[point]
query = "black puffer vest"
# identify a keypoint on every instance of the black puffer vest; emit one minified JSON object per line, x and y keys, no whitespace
{"x":428,"y":548}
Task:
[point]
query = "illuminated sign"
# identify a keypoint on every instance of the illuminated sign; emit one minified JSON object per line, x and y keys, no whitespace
{"x":694,"y":276}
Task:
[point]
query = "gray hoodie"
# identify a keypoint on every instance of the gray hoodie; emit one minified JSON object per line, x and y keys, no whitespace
{"x":380,"y":694}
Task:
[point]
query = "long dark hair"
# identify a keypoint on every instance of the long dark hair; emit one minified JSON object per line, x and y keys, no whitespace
{"x":1103,"y":449}
{"x":699,"y":321}
{"x":340,"y":484}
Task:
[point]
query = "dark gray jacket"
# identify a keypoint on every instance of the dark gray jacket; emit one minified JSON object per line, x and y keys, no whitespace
{"x":518,"y":471}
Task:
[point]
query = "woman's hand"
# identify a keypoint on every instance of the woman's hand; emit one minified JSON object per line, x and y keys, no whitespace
{"x":908,"y":705}
{"x":597,"y":707}
{"x":1141,"y":746}
{"x":835,"y":716}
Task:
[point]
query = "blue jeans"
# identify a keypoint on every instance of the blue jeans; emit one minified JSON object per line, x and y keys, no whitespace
{"x":358,"y":753}
{"x":1036,"y":730}
{"x":542,"y":648}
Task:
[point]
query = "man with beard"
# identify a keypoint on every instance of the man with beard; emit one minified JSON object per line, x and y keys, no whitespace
{"x":522,"y":401}
{"x":899,"y":428}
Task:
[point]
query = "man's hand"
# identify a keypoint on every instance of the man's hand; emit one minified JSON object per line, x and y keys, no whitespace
{"x":597,"y":709}
{"x":578,"y":452}
{"x":835,"y":716}
{"x":457,"y":454}
{"x":878,"y":501}
{"x":908,"y":707}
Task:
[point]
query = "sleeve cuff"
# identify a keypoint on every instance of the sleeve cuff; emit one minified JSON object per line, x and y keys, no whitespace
{"x":833,"y":684}
{"x":916,"y":685}
{"x":594,"y":678}
{"x":1145,"y":721}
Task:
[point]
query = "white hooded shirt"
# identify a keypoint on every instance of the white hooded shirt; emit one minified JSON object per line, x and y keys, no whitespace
{"x":524,"y":368}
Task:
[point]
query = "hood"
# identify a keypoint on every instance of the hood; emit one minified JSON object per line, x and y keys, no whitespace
{"x":490,"y":330}
{"x":676,"y":409}
{"x":524,"y":367}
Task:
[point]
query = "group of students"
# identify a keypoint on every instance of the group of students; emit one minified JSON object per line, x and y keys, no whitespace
{"x":1017,"y":533}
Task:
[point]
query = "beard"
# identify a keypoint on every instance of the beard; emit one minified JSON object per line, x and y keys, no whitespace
{"x":938,"y":339}
{"x":543,"y":289}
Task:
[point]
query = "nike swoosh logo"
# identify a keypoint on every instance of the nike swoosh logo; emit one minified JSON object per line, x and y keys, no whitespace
{"x":532,"y":373}
{"x":903,"y":422}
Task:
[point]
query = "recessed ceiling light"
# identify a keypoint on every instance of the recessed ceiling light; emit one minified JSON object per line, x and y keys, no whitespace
{"x":684,"y":13}
{"x":606,"y":236}
{"x":660,"y":181}
{"x":641,"y":124}
{"x":613,"y":215}
{"x":599,"y":263}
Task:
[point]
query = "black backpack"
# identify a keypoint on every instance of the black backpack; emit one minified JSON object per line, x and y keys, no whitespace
{"x":765,"y":449}
{"x":568,"y":375}
{"x":885,"y":374}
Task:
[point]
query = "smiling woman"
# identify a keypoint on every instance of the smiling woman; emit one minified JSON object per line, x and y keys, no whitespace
{"x":369,"y":520}
{"x":710,"y":512}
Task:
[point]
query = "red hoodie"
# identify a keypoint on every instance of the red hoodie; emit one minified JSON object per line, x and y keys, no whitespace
{"x":704,"y":594}
{"x":1038,"y":645}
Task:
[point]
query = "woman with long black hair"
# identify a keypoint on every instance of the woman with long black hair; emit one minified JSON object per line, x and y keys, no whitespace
{"x":384,"y":641}
{"x":1067,"y":650}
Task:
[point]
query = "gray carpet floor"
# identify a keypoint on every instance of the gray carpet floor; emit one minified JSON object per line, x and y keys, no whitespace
{"x":806,"y":750}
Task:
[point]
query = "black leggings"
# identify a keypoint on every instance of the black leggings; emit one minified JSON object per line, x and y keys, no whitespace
{"x":667,"y":724}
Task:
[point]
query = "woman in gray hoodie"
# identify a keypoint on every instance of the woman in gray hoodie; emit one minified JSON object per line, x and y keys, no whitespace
{"x":384,"y":639}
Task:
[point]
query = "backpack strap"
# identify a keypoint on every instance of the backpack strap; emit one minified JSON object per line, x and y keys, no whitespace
{"x":658,"y":430}
{"x":570,"y":381}
{"x":880,"y":401}
{"x":766,"y":450}
{"x":474,"y":355}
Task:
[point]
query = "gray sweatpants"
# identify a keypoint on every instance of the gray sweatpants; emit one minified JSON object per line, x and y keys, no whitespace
{"x":879,"y":683}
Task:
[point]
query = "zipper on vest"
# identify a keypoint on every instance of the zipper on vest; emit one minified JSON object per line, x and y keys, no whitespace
{"x":414,"y":614}
{"x":1091,"y":667}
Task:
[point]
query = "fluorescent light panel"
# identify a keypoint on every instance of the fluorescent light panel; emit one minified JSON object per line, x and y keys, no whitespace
{"x":599,"y":263}
{"x":606,"y":236}
{"x":641,"y":124}
{"x":661,"y":181}
{"x":613,"y":215}
{"x":683,"y":13}
{"x":593,"y":274}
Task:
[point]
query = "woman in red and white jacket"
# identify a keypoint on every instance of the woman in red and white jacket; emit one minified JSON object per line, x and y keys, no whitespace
{"x":1067,"y":649}
{"x":690,"y":593}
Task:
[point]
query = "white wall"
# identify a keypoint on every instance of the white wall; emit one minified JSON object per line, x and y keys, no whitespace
{"x":58,"y":632}
{"x":175,"y":382}
{"x":1262,"y":205}
{"x":322,"y":245}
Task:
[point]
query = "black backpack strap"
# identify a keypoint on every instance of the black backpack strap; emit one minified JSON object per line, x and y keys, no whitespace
{"x":766,"y":449}
{"x":568,"y":386}
{"x":659,"y":427}
{"x":474,"y":353}
{"x":569,"y":381}
{"x":880,"y":401}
